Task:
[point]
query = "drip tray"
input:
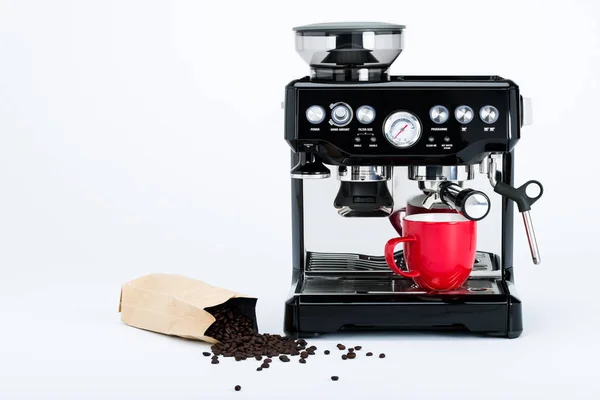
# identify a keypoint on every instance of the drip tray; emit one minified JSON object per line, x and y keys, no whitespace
{"x":359,"y":264}
{"x":317,"y":285}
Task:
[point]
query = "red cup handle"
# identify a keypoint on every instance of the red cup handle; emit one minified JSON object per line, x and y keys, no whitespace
{"x":389,"y":256}
{"x":396,"y":220}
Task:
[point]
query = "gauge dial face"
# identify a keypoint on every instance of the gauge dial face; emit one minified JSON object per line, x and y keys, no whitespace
{"x":402,"y":129}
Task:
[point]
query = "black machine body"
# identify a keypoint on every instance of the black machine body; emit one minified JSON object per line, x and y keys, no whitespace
{"x":362,"y":144}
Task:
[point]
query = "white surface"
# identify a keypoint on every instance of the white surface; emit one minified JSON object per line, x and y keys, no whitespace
{"x":113,"y":164}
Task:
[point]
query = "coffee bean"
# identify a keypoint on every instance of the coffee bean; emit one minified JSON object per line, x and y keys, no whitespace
{"x":341,"y":347}
{"x":259,"y":369}
{"x":313,"y":348}
{"x":335,"y":378}
{"x":268,"y":360}
{"x":265,"y":365}
{"x":344,"y":357}
{"x":382,"y":355}
{"x":214,"y":362}
{"x":351,"y":356}
{"x":369,"y":354}
{"x":304,"y":354}
{"x":238,"y":358}
{"x":327,"y":352}
{"x":357,"y":347}
{"x":302,"y":361}
{"x":310,"y":351}
{"x":258,"y":358}
{"x":284,"y":358}
{"x":238,"y":388}
{"x":206,"y":354}
{"x":350,"y":350}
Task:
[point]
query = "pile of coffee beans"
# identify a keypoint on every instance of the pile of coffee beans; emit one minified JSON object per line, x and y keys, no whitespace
{"x":238,"y":339}
{"x":235,"y":332}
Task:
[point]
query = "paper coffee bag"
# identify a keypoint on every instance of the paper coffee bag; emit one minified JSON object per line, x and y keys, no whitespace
{"x":177,"y":305}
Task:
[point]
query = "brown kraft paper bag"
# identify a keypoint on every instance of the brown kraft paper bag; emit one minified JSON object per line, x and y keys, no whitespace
{"x":177,"y":305}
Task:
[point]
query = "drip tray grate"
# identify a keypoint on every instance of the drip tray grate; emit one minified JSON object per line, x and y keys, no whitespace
{"x":347,"y":263}
{"x":317,"y":285}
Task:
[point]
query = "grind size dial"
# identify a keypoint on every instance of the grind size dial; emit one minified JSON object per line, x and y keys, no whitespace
{"x":402,"y":129}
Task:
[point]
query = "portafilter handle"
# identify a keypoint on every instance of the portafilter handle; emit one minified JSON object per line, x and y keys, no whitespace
{"x":472,"y":204}
{"x":524,"y":202}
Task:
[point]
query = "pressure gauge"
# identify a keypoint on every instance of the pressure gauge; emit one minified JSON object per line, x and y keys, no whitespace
{"x":402,"y":129}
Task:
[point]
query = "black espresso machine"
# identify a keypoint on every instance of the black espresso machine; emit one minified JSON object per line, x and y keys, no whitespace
{"x":365,"y":144}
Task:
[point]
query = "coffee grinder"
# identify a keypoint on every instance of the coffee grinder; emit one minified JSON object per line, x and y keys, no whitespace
{"x":363,"y":145}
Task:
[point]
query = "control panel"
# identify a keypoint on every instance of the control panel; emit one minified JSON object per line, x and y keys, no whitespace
{"x":396,"y":121}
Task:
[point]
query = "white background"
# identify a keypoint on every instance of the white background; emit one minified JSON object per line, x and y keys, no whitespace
{"x":146,"y":136}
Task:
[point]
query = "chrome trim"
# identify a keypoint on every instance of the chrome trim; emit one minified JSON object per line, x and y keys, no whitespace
{"x":493,"y":172}
{"x":381,"y":211}
{"x":309,"y":176}
{"x":476,"y":206}
{"x":375,"y":173}
{"x":441,"y":172}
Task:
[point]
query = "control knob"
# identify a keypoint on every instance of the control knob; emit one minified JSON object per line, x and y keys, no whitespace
{"x":341,"y":114}
{"x":315,"y":114}
{"x":464,"y":114}
{"x":439,"y":114}
{"x":365,"y":114}
{"x":488,"y":114}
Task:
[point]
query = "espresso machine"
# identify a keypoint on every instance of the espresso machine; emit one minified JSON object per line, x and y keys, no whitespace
{"x":365,"y":144}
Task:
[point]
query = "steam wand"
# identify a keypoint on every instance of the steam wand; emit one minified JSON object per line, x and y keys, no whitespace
{"x":522,"y":199}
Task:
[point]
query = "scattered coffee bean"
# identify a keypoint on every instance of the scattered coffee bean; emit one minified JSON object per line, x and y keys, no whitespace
{"x":237,"y":388}
{"x":284,"y":358}
{"x":302,"y":361}
{"x":357,"y":347}
{"x":258,"y":358}
{"x":310,"y":351}
{"x":215,"y":357}
{"x":335,"y":378}
{"x":259,"y":369}
{"x":206,"y":354}
{"x":268,"y":360}
{"x":264,"y":365}
{"x":304,"y":354}
{"x":350,"y":350}
{"x":313,"y":348}
{"x":351,"y":356}
{"x":344,"y":357}
{"x":369,"y":354}
{"x":341,"y":347}
{"x":214,"y":362}
{"x":238,"y":358}
{"x":327,"y":352}
{"x":382,"y":355}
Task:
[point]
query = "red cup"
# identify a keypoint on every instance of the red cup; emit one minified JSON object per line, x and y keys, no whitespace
{"x":439,"y":250}
{"x":414,"y":206}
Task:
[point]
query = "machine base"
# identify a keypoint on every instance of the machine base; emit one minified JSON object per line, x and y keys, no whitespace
{"x":495,"y":313}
